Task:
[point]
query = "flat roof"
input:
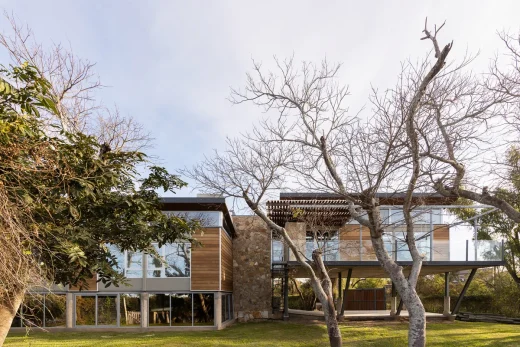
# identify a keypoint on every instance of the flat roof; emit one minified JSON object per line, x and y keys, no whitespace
{"x":200,"y":204}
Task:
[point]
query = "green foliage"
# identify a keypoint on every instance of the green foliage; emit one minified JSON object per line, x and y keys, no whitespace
{"x":75,"y":195}
{"x":497,"y":224}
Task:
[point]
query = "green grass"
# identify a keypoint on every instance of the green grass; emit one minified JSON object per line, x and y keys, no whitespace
{"x":282,"y":334}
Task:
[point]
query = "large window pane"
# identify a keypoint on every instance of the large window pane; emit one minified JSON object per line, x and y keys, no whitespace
{"x":130,"y":309}
{"x":134,"y":264}
{"x":85,"y":310}
{"x":55,"y":310}
{"x":181,"y":309}
{"x":107,"y":310}
{"x":155,"y":265}
{"x":177,"y":256}
{"x":203,"y":309}
{"x":159,"y":312}
{"x":120,"y":258}
{"x":33,"y":307}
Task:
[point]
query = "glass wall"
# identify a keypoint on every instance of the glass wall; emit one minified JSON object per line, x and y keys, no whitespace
{"x":203,"y":313}
{"x":41,"y":310}
{"x":106,"y":310}
{"x":130,"y":309}
{"x":227,"y":307}
{"x":181,"y":305}
{"x":181,"y":309}
{"x":174,"y":261}
{"x":159,"y":312}
{"x":85,"y":310}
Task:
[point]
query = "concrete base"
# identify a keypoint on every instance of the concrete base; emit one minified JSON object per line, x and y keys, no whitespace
{"x":447,"y":301}
{"x":393,"y":306}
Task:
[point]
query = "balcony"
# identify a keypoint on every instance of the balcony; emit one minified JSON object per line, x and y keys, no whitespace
{"x":485,"y":251}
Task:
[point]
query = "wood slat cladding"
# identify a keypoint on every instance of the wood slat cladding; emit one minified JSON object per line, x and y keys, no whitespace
{"x":205,"y":270}
{"x":226,"y":266}
{"x":92,"y":285}
{"x":350,"y":232}
{"x":441,"y":242}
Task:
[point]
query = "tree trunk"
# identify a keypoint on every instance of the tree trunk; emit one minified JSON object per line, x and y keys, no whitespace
{"x":417,"y":318}
{"x":327,"y":301}
{"x":8,"y":308}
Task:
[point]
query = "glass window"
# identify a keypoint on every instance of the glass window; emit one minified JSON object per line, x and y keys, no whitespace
{"x":227,"y":307}
{"x":384,"y":216}
{"x":134,"y":264}
{"x":33,"y":308}
{"x":203,"y":313}
{"x":106,"y":310}
{"x":206,"y":218}
{"x":278,"y":250}
{"x":155,"y":265}
{"x":85,"y":310}
{"x":55,"y":310}
{"x":159,"y":310}
{"x":181,"y":309}
{"x":120,"y":258}
{"x":178,"y":259}
{"x":130,"y":309}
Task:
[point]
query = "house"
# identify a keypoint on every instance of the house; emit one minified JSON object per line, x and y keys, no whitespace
{"x":232,"y":275}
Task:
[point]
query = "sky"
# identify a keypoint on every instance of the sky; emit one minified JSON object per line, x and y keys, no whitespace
{"x":170,"y":64}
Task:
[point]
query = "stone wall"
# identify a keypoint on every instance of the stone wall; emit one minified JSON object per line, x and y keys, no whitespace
{"x":251,"y":268}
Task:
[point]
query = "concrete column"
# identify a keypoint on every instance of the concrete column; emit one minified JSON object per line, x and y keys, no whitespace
{"x":393,"y":302}
{"x":144,"y":310}
{"x":69,"y":313}
{"x":218,"y":310}
{"x":447,"y":299}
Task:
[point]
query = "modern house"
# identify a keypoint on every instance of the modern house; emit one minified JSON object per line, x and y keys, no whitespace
{"x":232,"y":275}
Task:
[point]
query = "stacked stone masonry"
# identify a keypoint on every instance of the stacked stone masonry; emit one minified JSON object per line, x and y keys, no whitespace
{"x":251,"y":269}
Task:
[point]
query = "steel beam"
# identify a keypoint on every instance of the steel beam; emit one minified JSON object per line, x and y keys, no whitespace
{"x":461,"y":296}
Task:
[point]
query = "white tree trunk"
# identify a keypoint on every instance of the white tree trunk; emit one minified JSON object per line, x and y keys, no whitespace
{"x":416,"y":313}
{"x":8,"y":308}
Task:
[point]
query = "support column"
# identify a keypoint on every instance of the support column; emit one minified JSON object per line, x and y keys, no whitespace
{"x":69,"y":313}
{"x":393,"y":301}
{"x":447,"y":299}
{"x":218,"y":310}
{"x":340,"y":292}
{"x":461,"y":296}
{"x":345,"y":292}
{"x":286,"y":294}
{"x":144,"y":310}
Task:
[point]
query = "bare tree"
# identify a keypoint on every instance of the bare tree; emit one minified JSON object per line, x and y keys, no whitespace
{"x":322,"y":148}
{"x":74,"y":84}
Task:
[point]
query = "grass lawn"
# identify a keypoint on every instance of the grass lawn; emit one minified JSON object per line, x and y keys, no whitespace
{"x":283,"y":334}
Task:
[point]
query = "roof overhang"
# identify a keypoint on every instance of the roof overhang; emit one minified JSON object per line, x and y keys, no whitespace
{"x":200,"y":204}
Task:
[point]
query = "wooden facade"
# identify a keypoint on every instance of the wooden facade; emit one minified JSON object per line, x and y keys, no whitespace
{"x":205,"y":260}
{"x":226,"y":266}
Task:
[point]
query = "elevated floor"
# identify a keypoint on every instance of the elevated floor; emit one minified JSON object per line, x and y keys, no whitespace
{"x":372,"y":269}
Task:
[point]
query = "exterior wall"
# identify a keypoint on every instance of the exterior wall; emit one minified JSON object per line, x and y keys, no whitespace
{"x":297,"y":232}
{"x":441,"y":243}
{"x":251,"y":268}
{"x":226,"y":260}
{"x":205,"y":261}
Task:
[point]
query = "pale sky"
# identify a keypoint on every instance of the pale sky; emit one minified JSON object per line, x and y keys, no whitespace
{"x":170,"y":64}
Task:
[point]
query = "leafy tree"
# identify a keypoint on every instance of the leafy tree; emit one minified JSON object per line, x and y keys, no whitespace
{"x":497,"y":224}
{"x":64,"y":197}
